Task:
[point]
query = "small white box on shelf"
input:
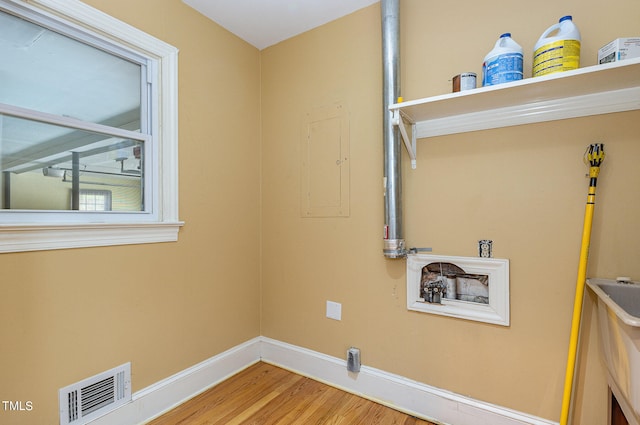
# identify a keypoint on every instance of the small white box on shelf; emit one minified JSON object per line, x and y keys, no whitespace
{"x":620,"y":49}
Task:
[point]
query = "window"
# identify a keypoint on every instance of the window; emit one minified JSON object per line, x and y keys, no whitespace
{"x":88,"y":129}
{"x":94,"y":200}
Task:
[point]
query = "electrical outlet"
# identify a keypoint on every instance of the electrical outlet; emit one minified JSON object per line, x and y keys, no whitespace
{"x":485,"y":248}
{"x":334,"y":310}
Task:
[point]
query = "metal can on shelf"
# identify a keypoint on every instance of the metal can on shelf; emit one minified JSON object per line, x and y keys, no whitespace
{"x":464,"y":81}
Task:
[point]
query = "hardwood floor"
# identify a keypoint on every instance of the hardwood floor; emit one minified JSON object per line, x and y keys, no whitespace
{"x":268,"y":395}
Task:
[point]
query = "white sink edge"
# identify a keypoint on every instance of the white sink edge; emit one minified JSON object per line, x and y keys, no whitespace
{"x":623,"y":315}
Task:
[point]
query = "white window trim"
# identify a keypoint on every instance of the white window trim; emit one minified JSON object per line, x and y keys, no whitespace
{"x":34,"y":237}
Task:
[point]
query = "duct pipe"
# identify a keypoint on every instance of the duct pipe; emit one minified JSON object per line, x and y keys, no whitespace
{"x":394,"y":245}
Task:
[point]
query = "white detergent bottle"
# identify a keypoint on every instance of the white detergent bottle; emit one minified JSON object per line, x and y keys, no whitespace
{"x":558,"y":48}
{"x":504,"y":63}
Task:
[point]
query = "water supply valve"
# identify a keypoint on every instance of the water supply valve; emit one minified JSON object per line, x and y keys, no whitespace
{"x":435,"y":289}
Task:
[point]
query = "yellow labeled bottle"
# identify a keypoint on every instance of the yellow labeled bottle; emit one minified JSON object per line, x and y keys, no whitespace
{"x":558,"y":48}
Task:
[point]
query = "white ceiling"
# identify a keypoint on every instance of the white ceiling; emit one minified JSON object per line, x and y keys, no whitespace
{"x":264,"y":23}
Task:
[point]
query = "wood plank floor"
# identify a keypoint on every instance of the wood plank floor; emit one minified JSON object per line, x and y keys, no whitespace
{"x":268,"y":395}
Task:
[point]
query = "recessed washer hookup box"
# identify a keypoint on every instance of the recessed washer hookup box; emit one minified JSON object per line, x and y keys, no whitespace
{"x":620,"y":49}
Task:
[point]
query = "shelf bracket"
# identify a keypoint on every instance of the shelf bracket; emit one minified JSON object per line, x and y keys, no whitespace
{"x":409,"y":142}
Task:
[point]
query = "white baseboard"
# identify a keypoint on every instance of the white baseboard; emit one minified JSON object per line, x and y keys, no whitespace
{"x":164,"y":395}
{"x":395,"y":391}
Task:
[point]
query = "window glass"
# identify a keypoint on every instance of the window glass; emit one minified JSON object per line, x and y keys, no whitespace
{"x":45,"y":166}
{"x":54,"y":91}
{"x":49,"y":72}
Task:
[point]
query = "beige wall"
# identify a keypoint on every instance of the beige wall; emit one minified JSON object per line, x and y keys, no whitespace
{"x":165,"y":307}
{"x":522,"y":187}
{"x":66,"y":315}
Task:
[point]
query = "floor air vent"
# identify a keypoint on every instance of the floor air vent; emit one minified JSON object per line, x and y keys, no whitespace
{"x":93,"y":397}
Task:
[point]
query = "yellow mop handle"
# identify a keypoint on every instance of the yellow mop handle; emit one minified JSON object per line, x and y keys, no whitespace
{"x":594,"y":157}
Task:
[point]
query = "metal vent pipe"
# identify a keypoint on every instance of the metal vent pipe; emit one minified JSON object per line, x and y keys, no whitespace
{"x":394,"y":245}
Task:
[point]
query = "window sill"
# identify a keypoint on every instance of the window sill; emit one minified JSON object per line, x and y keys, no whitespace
{"x":20,"y":238}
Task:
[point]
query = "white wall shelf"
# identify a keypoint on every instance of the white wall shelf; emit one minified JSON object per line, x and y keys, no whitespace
{"x":593,"y":90}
